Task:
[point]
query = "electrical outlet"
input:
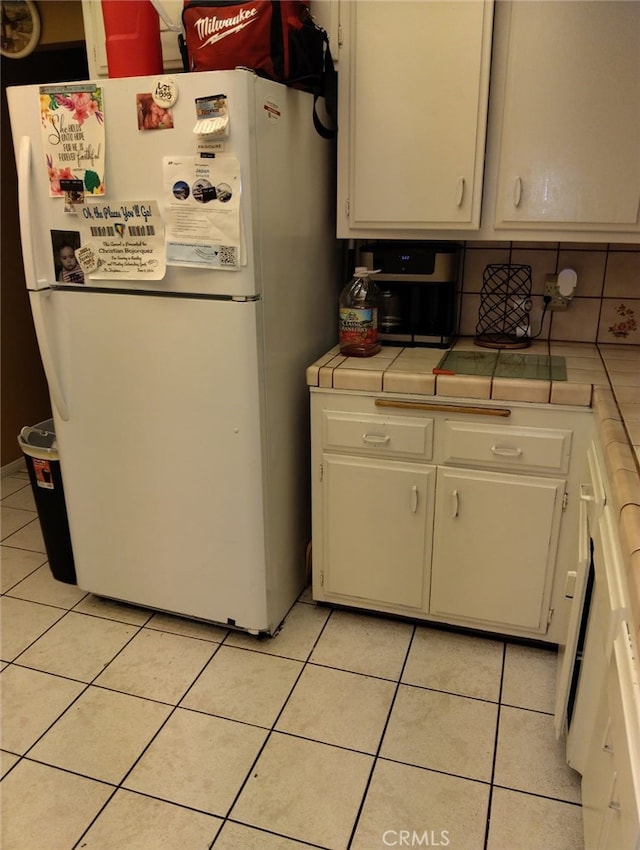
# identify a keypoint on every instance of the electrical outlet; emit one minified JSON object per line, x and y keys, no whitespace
{"x":558,"y":301}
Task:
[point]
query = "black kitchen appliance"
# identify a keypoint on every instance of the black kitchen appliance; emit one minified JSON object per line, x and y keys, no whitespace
{"x":417,"y":283}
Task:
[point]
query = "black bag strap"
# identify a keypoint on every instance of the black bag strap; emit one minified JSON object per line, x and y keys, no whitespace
{"x":330,"y":93}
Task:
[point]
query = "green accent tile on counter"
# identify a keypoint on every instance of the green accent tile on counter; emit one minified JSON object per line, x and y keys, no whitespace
{"x":468,"y":362}
{"x":541,"y":367}
{"x":504,"y":364}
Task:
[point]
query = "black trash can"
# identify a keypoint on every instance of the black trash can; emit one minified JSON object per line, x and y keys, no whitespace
{"x":38,"y":444}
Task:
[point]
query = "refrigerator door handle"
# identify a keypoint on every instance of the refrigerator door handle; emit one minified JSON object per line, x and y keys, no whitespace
{"x":55,"y":387}
{"x":39,"y":288}
{"x":25,"y":196}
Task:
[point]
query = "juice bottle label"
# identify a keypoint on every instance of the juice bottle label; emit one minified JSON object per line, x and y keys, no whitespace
{"x":358,"y":326}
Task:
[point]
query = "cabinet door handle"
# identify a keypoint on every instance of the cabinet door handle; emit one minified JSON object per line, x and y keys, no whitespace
{"x":517,"y":191}
{"x":456,"y":504}
{"x":414,"y":499}
{"x":460,"y":191}
{"x":375,"y":439}
{"x":505,"y":451}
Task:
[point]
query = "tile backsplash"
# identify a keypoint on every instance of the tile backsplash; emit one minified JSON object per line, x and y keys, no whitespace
{"x":606,"y":305}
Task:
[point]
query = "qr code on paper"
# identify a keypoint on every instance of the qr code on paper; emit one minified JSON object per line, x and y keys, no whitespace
{"x":228,"y":255}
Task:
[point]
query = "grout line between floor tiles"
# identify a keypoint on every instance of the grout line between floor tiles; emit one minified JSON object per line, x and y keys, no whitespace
{"x":272,"y":729}
{"x":382,"y":734}
{"x":575,"y":803}
{"x":495,"y":747}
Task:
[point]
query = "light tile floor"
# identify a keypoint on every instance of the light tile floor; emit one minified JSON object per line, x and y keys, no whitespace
{"x":124,"y":729}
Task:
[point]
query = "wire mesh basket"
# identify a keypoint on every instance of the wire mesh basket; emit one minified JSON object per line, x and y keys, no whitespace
{"x":505,"y":304}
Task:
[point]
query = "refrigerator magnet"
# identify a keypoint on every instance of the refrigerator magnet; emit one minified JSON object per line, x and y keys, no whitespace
{"x":72,"y":122}
{"x":88,"y":259}
{"x":165,"y":92}
{"x":150,"y":115}
{"x":73,"y":194}
{"x":212,"y":115}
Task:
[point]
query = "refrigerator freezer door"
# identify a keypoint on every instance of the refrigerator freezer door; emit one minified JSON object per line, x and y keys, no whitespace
{"x":161,"y":453}
{"x":133,"y":168}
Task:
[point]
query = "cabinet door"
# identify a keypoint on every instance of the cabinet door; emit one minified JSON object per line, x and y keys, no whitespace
{"x":495,"y":539}
{"x":413,"y":92}
{"x":570,"y":126}
{"x":377,"y":519}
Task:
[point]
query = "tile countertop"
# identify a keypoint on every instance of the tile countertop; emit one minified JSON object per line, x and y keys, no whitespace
{"x":603,"y":377}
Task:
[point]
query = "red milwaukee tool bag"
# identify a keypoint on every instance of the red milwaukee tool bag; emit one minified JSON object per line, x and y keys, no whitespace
{"x":277,"y":39}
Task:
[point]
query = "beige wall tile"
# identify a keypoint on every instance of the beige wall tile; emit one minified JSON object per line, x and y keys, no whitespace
{"x":579,"y":322}
{"x":542,"y":263}
{"x":515,"y":389}
{"x":631,"y":413}
{"x":565,"y":393}
{"x":619,"y":456}
{"x":629,"y":528}
{"x":628,"y":395}
{"x":612,"y":431}
{"x":623,"y":275}
{"x":626,"y":488}
{"x":475,"y":261}
{"x":596,"y":376}
{"x":498,"y":244}
{"x":620,"y":320}
{"x":469,"y":315}
{"x":536,"y":245}
{"x":345,"y":378}
{"x":464,"y":386}
{"x":396,"y":381}
{"x":613,"y":351}
{"x":575,"y":349}
{"x":589,"y":266}
{"x":634,"y":430}
{"x":633,"y":578}
{"x":325,"y":377}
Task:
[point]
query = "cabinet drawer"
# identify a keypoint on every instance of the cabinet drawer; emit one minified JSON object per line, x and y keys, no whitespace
{"x":382,"y":436}
{"x":506,"y":448}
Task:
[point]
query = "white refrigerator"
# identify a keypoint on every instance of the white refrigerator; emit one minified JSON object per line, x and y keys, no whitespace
{"x":179,"y":396}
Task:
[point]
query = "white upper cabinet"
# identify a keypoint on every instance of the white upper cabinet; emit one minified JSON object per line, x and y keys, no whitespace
{"x":566,"y":115}
{"x":413,"y":93}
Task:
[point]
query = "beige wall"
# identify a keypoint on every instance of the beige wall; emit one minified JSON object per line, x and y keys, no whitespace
{"x":61,"y":22}
{"x":606,"y":306}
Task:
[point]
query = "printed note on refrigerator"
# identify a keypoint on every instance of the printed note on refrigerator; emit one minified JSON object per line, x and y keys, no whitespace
{"x":72,"y":124}
{"x":122,"y":240}
{"x":202,"y":197}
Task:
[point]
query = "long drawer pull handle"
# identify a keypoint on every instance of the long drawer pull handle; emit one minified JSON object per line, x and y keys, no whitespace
{"x":456,"y":503}
{"x":442,"y":408}
{"x":414,"y":499}
{"x":505,"y":451}
{"x":375,"y":439}
{"x":460,"y":192}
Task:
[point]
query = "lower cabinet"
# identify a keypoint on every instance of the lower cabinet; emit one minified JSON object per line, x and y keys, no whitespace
{"x":377,"y":519}
{"x":407,"y":521}
{"x":494,"y":545}
{"x":611,"y":778}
